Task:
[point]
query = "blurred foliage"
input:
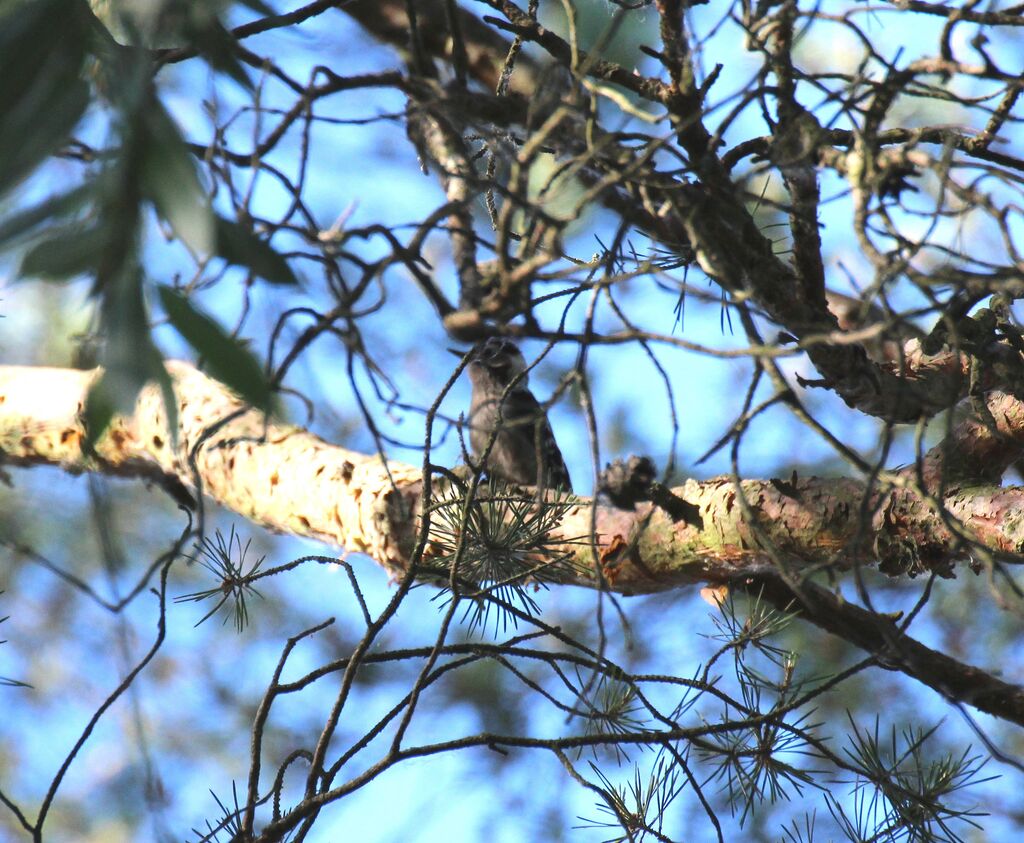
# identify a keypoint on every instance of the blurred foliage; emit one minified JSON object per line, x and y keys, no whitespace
{"x":94,"y":229}
{"x":116,"y":174}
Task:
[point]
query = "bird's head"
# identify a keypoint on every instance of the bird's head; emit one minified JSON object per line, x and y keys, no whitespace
{"x":497,"y":359}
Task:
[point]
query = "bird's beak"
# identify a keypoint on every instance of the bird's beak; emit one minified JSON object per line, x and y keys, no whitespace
{"x":456,"y":352}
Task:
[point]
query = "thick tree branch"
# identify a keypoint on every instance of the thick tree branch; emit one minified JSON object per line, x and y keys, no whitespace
{"x":882,"y":637}
{"x":292,"y":481}
{"x":278,"y":476}
{"x":709,"y":219}
{"x":977,"y":452}
{"x":706,"y":219}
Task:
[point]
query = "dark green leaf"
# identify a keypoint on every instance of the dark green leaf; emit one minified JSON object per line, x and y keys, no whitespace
{"x":130,"y":359}
{"x":105,"y":396}
{"x":258,"y":6}
{"x":74,"y":250}
{"x":217,"y":46}
{"x":116,"y":391}
{"x":23,"y":222}
{"x":226,"y":358}
{"x":239,"y":245}
{"x":42,"y":93}
{"x":168,"y":178}
{"x":38,"y":127}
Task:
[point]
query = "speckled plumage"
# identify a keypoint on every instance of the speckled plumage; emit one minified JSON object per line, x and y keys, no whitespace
{"x":525,"y":451}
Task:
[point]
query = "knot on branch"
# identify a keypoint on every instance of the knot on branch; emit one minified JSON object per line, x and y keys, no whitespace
{"x":628,"y":482}
{"x":992,"y":342}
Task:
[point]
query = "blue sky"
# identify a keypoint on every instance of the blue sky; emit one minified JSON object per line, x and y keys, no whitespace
{"x":206,"y":679}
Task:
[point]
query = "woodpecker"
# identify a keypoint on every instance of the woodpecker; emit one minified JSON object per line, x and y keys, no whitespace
{"x":525,"y":451}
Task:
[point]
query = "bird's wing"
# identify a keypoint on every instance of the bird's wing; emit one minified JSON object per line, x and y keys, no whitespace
{"x":523,"y":412}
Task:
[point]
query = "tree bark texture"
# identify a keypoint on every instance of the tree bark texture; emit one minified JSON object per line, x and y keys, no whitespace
{"x":291,"y":481}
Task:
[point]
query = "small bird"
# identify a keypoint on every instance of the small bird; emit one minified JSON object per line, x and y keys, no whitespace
{"x":525,"y":451}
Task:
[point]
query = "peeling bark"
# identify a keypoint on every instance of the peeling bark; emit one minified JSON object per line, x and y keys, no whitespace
{"x":291,"y":481}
